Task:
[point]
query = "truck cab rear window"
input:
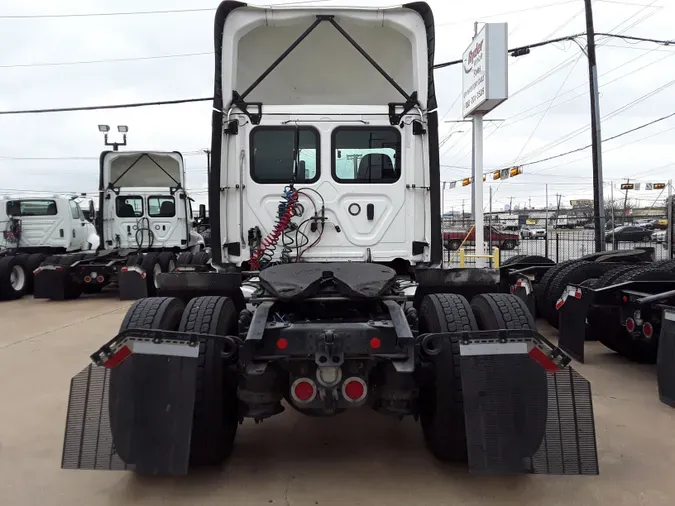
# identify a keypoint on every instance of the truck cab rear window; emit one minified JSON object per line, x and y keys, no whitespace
{"x":273,"y":154}
{"x":129,"y":206}
{"x":366,"y":155}
{"x":31,"y":208}
{"x":161,"y":207}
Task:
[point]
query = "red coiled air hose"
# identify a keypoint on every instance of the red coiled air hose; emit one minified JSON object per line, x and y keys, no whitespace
{"x":272,"y":238}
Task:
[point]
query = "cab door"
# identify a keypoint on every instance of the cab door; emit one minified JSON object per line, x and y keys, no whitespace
{"x":78,"y":229}
{"x":367,"y":178}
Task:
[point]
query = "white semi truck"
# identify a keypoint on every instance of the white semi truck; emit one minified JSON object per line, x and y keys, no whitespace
{"x":145,"y":221}
{"x":325,"y":292}
{"x":33,"y":228}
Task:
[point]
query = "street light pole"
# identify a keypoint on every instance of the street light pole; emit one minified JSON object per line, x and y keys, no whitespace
{"x":596,"y":137}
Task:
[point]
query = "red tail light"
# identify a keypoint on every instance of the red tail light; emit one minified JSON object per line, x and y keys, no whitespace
{"x":354,"y":389}
{"x":100,"y":279}
{"x":648,"y":330}
{"x":303,"y":390}
{"x":87,"y":279}
{"x":630,"y":325}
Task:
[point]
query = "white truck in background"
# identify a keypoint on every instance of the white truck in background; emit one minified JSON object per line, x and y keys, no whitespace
{"x":146,"y":226}
{"x":33,"y":228}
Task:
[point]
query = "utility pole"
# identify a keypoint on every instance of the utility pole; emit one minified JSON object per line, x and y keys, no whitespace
{"x":625,"y":203}
{"x":529,"y":203}
{"x":208,"y":160}
{"x":596,"y":138}
{"x":510,"y":204}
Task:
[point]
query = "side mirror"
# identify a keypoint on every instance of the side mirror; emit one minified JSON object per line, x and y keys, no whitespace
{"x":202,"y":211}
{"x":92,"y":211}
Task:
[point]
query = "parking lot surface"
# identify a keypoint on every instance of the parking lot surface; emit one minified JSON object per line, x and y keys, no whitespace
{"x":357,"y":458}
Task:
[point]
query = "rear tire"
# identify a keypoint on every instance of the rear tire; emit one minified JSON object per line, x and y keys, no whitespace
{"x":541,"y":288}
{"x":200,"y":258}
{"x":167,"y":261}
{"x":33,"y":262}
{"x":13,"y":278}
{"x":185,"y":258}
{"x":150,"y":264}
{"x":499,"y":311}
{"x":574,"y":273}
{"x":441,"y":401}
{"x":161,"y":313}
{"x":216,"y":414}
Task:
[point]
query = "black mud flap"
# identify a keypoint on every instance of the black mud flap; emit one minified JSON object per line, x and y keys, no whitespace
{"x":525,"y":412}
{"x":573,"y":307}
{"x":133,"y":283}
{"x":136,"y":416}
{"x":665,"y":371}
{"x":49,"y":282}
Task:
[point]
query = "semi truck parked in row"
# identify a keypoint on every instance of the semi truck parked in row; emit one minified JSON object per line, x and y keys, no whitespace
{"x":33,"y":228}
{"x":145,"y":222}
{"x":325,"y":292}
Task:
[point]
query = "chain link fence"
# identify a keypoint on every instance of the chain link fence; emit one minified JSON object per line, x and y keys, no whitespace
{"x":559,"y":242}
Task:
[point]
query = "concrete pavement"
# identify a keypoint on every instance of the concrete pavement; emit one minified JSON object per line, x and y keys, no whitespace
{"x":359,"y":458}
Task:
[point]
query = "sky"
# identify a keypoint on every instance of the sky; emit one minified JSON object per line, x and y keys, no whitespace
{"x":54,"y":60}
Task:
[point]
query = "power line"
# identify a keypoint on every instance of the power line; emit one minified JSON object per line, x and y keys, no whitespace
{"x":139,"y":13}
{"x":107,"y":60}
{"x":562,"y":39}
{"x":115,"y":106}
{"x":640,"y":127}
{"x":103,"y":14}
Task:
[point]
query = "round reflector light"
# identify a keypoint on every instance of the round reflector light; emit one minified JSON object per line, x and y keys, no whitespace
{"x":648,"y":330}
{"x":87,"y":279}
{"x":354,"y":389}
{"x":630,"y":325}
{"x":303,"y":390}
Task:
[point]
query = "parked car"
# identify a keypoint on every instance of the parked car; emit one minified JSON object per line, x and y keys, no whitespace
{"x":589,"y":226}
{"x":532,"y":232}
{"x":629,"y":233}
{"x":659,"y":236}
{"x":500,"y":238}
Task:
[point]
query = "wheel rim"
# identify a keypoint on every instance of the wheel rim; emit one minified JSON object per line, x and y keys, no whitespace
{"x":17,"y":278}
{"x":156,"y":270}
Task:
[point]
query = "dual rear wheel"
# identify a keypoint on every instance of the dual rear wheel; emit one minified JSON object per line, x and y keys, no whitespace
{"x":216,"y":413}
{"x":441,"y":401}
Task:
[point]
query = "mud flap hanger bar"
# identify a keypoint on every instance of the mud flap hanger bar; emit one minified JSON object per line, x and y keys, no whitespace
{"x":239,"y":99}
{"x":158,"y":342}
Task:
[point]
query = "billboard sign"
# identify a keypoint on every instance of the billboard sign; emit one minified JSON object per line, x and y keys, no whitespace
{"x":485,"y":70}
